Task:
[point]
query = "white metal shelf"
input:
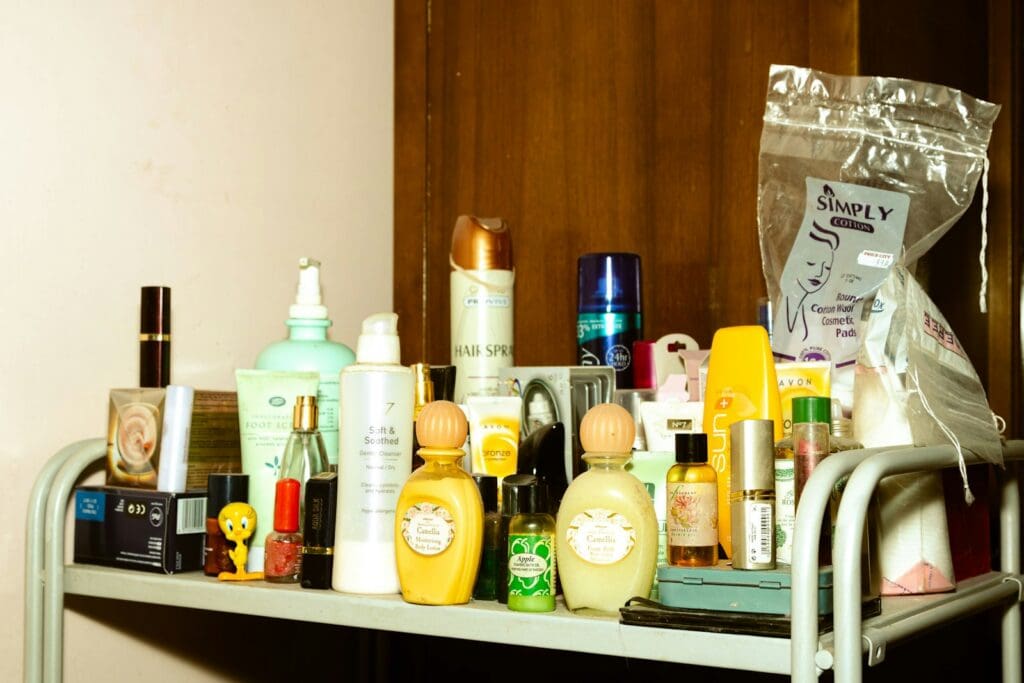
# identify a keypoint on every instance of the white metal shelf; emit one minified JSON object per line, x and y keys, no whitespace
{"x":482,"y":621}
{"x":802,"y":656}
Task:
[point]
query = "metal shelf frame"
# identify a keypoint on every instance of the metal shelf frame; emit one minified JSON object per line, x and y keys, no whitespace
{"x":803,"y":656}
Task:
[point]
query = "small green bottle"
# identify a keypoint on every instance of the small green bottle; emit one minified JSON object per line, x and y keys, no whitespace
{"x":531,"y":556}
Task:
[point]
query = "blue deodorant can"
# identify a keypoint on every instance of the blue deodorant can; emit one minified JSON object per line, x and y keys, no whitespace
{"x":608,"y":315}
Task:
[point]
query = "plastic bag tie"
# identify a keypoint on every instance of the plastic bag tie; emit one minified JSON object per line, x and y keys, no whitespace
{"x":961,"y":463}
{"x":983,"y":293}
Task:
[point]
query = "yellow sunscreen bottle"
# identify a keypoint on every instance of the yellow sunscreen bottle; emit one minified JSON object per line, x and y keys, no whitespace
{"x":741,"y":386}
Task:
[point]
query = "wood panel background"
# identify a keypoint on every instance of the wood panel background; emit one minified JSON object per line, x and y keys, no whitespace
{"x":603,"y":125}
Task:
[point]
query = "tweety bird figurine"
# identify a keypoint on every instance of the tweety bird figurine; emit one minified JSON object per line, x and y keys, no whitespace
{"x":237,"y":521}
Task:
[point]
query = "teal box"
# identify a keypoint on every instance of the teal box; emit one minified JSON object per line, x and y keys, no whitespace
{"x":722,"y":588}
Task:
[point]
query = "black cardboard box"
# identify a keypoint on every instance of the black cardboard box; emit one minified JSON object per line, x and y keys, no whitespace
{"x":150,"y":531}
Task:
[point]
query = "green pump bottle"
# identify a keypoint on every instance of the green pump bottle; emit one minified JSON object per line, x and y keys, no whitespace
{"x":307,"y":348}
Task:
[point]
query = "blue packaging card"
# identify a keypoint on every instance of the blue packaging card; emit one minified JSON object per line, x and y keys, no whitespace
{"x":90,"y":506}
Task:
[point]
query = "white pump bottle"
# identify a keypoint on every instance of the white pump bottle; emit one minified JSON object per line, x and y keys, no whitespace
{"x":374,"y":460}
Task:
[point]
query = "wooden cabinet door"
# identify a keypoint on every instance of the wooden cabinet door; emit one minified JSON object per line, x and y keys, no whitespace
{"x":595,"y":125}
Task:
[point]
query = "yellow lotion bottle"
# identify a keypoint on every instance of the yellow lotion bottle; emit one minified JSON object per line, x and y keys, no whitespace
{"x":439,"y":516}
{"x":607,"y":529}
{"x":742,"y":385}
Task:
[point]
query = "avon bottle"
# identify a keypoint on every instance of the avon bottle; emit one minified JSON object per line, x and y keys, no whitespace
{"x":284,"y":544}
{"x":375,"y":459}
{"x":307,"y":348}
{"x":439,"y":516}
{"x":607,"y":530}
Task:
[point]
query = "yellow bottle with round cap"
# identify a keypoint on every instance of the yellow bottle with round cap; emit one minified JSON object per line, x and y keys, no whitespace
{"x":607,"y":529}
{"x":439,"y":516}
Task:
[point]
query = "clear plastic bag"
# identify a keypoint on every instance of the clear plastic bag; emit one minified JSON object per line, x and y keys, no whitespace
{"x":915,"y":385}
{"x":914,"y":382}
{"x":855,"y":174}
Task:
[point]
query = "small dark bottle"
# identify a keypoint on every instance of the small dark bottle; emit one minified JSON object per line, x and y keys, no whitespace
{"x":318,"y":531}
{"x":221,"y":489}
{"x":155,"y":337}
{"x":424,"y":395}
{"x":487,"y":575}
{"x":284,"y":544}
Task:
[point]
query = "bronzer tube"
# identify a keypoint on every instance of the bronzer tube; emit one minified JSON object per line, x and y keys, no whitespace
{"x":155,"y":337}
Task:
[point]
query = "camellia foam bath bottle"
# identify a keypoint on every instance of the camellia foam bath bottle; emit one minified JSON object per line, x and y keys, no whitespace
{"x":607,"y":529}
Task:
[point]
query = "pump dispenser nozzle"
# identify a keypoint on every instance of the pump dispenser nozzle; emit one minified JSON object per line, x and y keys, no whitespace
{"x":308,"y":302}
{"x":378,"y":342}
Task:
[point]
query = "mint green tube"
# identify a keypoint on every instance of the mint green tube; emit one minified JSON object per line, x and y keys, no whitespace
{"x":266,"y":399}
{"x":651,"y":468}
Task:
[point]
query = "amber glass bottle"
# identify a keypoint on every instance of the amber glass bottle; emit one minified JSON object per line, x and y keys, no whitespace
{"x":691,"y":493}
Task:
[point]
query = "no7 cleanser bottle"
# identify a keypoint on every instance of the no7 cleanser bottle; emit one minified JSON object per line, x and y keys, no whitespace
{"x":375,"y":459}
{"x":482,"y":283}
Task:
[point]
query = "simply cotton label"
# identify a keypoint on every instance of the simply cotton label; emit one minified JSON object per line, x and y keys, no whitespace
{"x":843,"y":252}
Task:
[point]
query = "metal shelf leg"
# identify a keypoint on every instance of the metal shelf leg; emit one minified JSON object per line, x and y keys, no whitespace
{"x":53,"y":593}
{"x":1009,"y":547}
{"x":35,"y":548}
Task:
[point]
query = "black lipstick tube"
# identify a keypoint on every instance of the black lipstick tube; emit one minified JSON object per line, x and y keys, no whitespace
{"x":318,"y":531}
{"x":155,"y":337}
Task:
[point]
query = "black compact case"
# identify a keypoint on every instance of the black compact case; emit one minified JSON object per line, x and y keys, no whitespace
{"x":318,"y":531}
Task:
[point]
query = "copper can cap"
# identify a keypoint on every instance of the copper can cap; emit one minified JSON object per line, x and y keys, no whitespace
{"x":481,"y":244}
{"x":305,"y":417}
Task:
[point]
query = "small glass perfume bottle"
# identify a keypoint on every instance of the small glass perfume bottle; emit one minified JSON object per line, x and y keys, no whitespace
{"x":692,"y":498}
{"x":796,"y":456}
{"x":305,"y":454}
{"x":284,"y":544}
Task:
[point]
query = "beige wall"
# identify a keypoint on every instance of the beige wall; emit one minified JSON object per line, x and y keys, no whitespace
{"x":200,"y":145}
